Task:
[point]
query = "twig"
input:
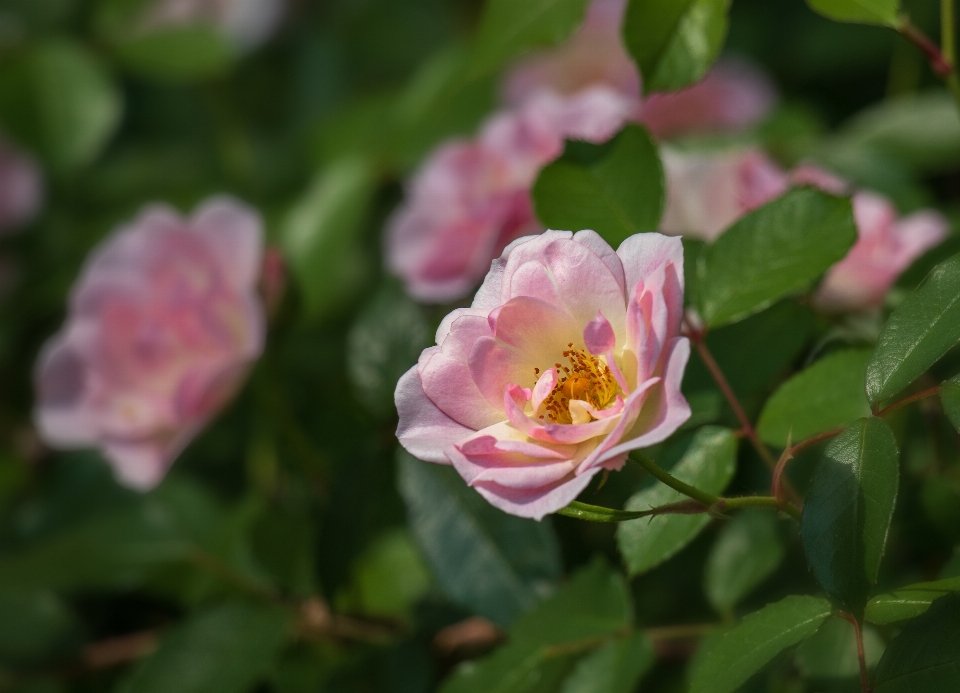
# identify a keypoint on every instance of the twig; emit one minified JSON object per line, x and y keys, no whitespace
{"x":923,"y":394}
{"x":861,"y":657}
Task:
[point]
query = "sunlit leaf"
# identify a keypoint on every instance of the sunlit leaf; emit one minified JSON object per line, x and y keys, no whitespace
{"x":615,"y":189}
{"x":706,"y":461}
{"x":918,"y":333}
{"x":753,"y":643}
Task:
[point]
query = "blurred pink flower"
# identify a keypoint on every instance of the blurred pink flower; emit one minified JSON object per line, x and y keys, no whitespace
{"x":248,"y":22}
{"x":886,"y":245}
{"x":593,"y":56}
{"x":732,"y":97}
{"x":707,"y":191}
{"x":471,"y":198}
{"x":569,"y":357}
{"x":163,"y":325}
{"x":21,"y":187}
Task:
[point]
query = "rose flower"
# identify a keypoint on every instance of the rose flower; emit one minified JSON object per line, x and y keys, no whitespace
{"x":569,"y":357}
{"x":163,"y":325}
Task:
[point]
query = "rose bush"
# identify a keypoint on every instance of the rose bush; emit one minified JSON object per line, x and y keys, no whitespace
{"x":569,"y":357}
{"x":163,"y":325}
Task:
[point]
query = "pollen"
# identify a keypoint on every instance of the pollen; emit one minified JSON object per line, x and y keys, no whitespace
{"x":587,"y":378}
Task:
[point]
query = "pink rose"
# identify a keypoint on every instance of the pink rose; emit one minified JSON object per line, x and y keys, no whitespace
{"x":248,"y":23}
{"x":21,"y":188}
{"x":593,"y":56}
{"x":471,"y":198}
{"x":707,"y":192}
{"x":886,"y":245}
{"x":732,"y":97}
{"x":569,"y":357}
{"x":163,"y":325}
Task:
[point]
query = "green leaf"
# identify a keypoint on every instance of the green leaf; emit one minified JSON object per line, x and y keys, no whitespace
{"x":908,"y":602}
{"x":827,"y":395}
{"x":321,"y":231}
{"x":384,"y":342}
{"x":616,"y":189}
{"x":707,"y":461}
{"x":921,"y":130}
{"x":592,"y":608}
{"x":831,"y":653}
{"x":614,"y":668}
{"x":918,"y":333}
{"x":950,"y":398}
{"x":509,"y":28}
{"x":388,"y":579}
{"x":925,"y":657}
{"x":495,"y":564}
{"x":883,"y":12}
{"x":750,"y":645}
{"x":847,"y":511}
{"x":226,"y":649}
{"x":57,"y":99}
{"x":747,"y":551}
{"x":32,"y":624}
{"x":674,"y":42}
{"x":180,"y":54}
{"x":111,"y":550}
{"x":775,"y":251}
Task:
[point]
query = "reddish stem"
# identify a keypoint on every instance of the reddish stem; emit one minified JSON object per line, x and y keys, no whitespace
{"x":776,"y":486}
{"x":923,"y":394}
{"x":938,"y":63}
{"x":864,"y":677}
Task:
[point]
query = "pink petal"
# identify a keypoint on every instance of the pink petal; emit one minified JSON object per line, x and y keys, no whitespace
{"x":598,"y":335}
{"x":234,"y":232}
{"x":424,"y":431}
{"x":140,"y":465}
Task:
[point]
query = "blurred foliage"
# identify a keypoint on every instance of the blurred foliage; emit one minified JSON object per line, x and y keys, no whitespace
{"x":292,"y":548}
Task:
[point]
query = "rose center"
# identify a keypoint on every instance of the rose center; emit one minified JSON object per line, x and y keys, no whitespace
{"x":587,"y":378}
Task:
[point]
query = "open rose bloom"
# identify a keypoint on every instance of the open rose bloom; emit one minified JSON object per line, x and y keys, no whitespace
{"x":163,"y":325}
{"x":569,"y":357}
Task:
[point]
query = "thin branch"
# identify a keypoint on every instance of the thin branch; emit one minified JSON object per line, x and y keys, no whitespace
{"x":940,"y":61}
{"x":861,"y":657}
{"x":778,"y":482}
{"x":923,"y":394}
{"x":665,"y":477}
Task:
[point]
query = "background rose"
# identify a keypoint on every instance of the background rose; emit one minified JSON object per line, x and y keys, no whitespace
{"x":248,"y":22}
{"x":886,"y":245}
{"x":21,"y":187}
{"x":569,"y":357}
{"x":162,"y":326}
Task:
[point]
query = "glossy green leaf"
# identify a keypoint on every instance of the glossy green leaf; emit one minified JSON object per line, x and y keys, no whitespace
{"x":615,"y":189}
{"x":614,"y":668}
{"x":320,"y":233}
{"x":831,"y":652}
{"x":495,"y":564}
{"x":827,"y":395}
{"x":674,"y":42}
{"x":950,"y":398}
{"x":180,"y":54}
{"x":747,"y":551}
{"x":925,"y":657}
{"x":883,"y":12}
{"x":918,"y":333}
{"x":543,"y":644}
{"x":775,"y":251}
{"x":707,"y":461}
{"x":509,"y":28}
{"x":847,"y":511}
{"x":754,"y":642}
{"x":384,"y":342}
{"x":56,"y":98}
{"x":226,"y":649}
{"x":908,"y":602}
